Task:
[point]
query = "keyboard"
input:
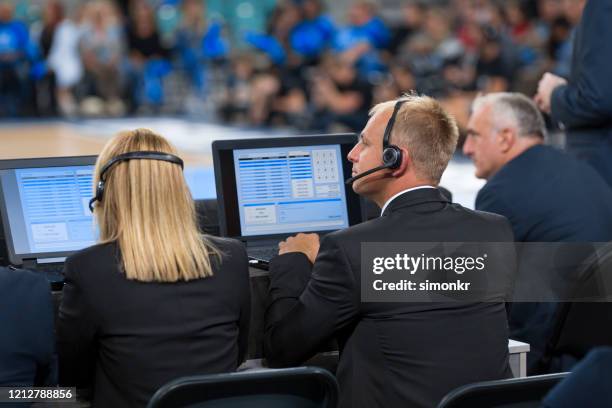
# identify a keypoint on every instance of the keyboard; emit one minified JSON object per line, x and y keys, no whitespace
{"x":51,"y":268}
{"x":262,"y":253}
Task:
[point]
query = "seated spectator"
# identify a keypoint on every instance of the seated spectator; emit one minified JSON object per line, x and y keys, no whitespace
{"x":64,"y":61}
{"x":413,"y":17}
{"x":399,"y":81}
{"x":572,"y":13}
{"x":340,"y":97}
{"x":362,"y":39}
{"x":238,"y":94}
{"x":43,"y":36}
{"x":522,"y":31}
{"x":298,"y":34}
{"x":559,"y":47}
{"x":547,"y":195}
{"x":493,"y":69}
{"x":102,"y":51}
{"x":438,"y":25}
{"x":148,"y":58}
{"x":14,"y":44}
{"x":27,"y":352}
{"x":199,"y":44}
{"x":155,"y":299}
{"x":313,"y":34}
{"x":548,"y":12}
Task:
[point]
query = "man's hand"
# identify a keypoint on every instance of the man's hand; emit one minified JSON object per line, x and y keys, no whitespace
{"x":308,"y":244}
{"x":547,"y":85}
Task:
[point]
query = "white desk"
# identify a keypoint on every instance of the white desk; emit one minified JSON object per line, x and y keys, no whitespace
{"x":518,"y":357}
{"x":517,"y":350}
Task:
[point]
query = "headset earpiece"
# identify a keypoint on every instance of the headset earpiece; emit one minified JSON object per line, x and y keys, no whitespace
{"x":392,"y":157}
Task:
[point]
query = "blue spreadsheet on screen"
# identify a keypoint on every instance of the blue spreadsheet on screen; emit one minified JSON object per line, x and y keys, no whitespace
{"x":284,"y":190}
{"x":271,"y":188}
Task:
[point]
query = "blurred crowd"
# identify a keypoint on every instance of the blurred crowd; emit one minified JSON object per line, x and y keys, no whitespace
{"x":306,"y":69}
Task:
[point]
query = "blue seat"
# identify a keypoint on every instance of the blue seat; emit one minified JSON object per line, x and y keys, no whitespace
{"x":300,"y":387}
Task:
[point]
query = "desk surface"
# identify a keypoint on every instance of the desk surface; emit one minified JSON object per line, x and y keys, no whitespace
{"x":515,"y":346}
{"x":330,"y":359}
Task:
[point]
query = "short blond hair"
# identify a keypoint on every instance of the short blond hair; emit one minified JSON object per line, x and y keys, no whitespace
{"x":148,"y":211}
{"x":428,"y":132}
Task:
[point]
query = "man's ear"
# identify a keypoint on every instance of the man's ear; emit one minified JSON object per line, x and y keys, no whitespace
{"x":405,"y":165}
{"x":506,"y":138}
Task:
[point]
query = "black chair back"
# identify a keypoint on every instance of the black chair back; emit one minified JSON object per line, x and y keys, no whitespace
{"x":301,"y":387}
{"x":525,"y":392}
{"x":580,"y":326}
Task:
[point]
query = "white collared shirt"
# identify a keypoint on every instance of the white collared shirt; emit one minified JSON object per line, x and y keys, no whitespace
{"x":399,"y":194}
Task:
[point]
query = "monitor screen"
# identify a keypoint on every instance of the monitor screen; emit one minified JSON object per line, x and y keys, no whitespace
{"x":268,"y":188}
{"x":44,"y":204}
{"x":46,"y":208}
{"x":290,"y":189}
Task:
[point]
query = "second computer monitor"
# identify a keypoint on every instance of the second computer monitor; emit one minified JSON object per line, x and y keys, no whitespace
{"x":284,"y":185}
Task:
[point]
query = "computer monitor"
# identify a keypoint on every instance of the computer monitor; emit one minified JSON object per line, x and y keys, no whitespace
{"x":43,"y":204}
{"x":275,"y":187}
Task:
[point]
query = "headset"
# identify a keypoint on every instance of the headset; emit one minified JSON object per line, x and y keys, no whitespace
{"x":144,"y":155}
{"x":392,"y":155}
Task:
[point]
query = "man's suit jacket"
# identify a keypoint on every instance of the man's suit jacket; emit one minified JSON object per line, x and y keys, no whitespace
{"x":27,"y":352}
{"x":391,"y":354}
{"x":548,"y":196}
{"x":584,"y":106}
{"x":128,"y":338}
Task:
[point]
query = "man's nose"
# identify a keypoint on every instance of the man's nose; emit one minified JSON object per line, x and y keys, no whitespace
{"x":353,"y":154}
{"x":468,"y":149}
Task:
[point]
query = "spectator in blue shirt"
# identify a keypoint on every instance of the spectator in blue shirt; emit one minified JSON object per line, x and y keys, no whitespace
{"x":362,"y":39}
{"x":14,"y":40}
{"x":314,"y":33}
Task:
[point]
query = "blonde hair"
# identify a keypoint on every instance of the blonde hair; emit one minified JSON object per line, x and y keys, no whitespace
{"x":428,"y":132}
{"x":148,"y":210}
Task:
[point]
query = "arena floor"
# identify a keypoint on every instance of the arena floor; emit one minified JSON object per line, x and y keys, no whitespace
{"x":192,"y":138}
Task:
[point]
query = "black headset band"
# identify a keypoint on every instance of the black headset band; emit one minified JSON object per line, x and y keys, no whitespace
{"x":142,"y":155}
{"x":389,"y":128}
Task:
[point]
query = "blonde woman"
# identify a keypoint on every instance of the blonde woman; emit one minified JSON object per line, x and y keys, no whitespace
{"x":154,"y":299}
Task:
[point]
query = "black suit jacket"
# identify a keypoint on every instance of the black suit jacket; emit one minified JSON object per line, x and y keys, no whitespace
{"x":128,"y":338}
{"x":391,"y":354}
{"x":584,"y":106}
{"x":548,"y":196}
{"x":27,"y":352}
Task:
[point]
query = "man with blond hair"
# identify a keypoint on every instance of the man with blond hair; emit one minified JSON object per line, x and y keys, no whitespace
{"x":392,"y":354}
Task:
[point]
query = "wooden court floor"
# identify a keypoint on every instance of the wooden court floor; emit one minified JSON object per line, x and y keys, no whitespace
{"x":193,"y":140}
{"x":53,"y":139}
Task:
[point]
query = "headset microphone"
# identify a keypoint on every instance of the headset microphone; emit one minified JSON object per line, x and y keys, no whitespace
{"x":392,"y":155}
{"x":365,"y":173}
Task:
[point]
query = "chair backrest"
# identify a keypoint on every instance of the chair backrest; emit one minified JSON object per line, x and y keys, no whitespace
{"x":300,"y":387}
{"x":524,"y":392}
{"x":580,"y":326}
